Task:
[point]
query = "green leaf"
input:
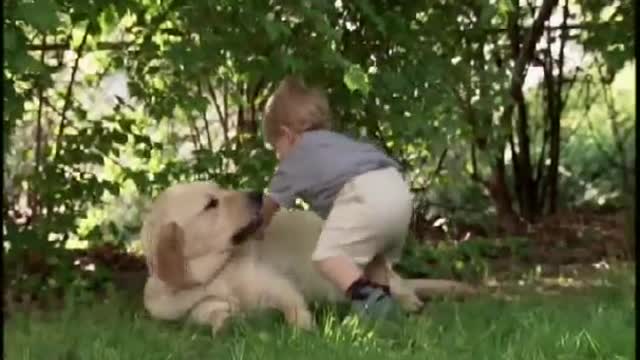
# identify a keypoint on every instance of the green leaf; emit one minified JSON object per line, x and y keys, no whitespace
{"x":119,"y":137}
{"x":504,"y":7}
{"x":25,"y":63}
{"x":292,"y":63}
{"x":41,"y":14}
{"x":356,"y":79}
{"x":10,"y":39}
{"x":486,"y":14}
{"x":108,"y":19}
{"x":272,"y":28}
{"x":370,"y":13}
{"x":77,"y":33}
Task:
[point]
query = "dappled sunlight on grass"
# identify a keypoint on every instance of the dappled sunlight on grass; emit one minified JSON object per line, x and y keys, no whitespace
{"x":598,"y":322}
{"x":349,"y":331}
{"x":564,"y":280}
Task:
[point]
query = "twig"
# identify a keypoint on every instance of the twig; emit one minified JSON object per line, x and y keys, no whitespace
{"x":598,"y":143}
{"x":51,"y":107}
{"x":439,"y":166}
{"x":206,"y":121}
{"x":40,"y":107}
{"x":194,"y":132}
{"x":38,"y":150}
{"x":251,"y":99}
{"x":68,"y":99}
{"x":99,"y":152}
{"x":475,"y":175}
{"x":449,"y":206}
{"x":225,"y":102}
{"x":222,"y":117}
{"x":618,"y":138}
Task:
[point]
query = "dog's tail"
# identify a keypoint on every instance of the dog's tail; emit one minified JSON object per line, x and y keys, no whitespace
{"x":429,"y":288}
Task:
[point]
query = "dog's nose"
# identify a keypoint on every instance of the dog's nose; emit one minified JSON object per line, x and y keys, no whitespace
{"x":255,"y":197}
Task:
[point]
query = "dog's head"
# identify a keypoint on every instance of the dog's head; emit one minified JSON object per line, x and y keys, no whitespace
{"x":193,"y":220}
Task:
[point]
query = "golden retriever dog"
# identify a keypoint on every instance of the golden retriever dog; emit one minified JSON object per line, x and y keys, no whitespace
{"x":204,"y":264}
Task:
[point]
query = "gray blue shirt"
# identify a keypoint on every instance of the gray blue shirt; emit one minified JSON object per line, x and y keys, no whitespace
{"x":320,"y":164}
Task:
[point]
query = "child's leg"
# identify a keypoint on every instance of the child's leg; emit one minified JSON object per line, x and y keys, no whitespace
{"x":368,"y":298}
{"x":340,"y":270}
{"x":344,"y":244}
{"x":380,"y":271}
{"x":376,"y":270}
{"x":343,"y":249}
{"x":340,"y":253}
{"x":364,"y":222}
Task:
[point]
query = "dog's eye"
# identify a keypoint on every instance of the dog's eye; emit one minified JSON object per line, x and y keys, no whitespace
{"x":212,"y":204}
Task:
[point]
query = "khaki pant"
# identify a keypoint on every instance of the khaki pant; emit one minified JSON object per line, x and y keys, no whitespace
{"x":370,"y":217}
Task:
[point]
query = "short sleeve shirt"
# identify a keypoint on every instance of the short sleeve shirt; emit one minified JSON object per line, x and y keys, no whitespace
{"x":319,"y":166}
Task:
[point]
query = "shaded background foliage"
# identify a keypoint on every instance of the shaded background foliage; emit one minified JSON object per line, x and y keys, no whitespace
{"x":501,"y":112}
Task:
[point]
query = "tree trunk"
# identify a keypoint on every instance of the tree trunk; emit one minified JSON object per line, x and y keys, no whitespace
{"x":499,"y":192}
{"x":556,"y":106}
{"x":523,"y":52}
{"x":527,"y":207}
{"x":554,"y":156}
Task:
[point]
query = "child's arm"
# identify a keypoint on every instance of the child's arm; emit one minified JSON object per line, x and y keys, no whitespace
{"x":269,"y":208}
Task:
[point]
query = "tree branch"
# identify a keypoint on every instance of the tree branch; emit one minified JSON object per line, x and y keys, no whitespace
{"x":100,"y":45}
{"x":561,"y":58}
{"x":529,"y":45}
{"x":125,"y":45}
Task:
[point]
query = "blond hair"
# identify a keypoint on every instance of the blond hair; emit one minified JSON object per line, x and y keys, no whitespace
{"x":297,"y":107}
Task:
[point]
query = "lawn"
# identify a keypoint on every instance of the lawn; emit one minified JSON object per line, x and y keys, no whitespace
{"x":591,"y":323}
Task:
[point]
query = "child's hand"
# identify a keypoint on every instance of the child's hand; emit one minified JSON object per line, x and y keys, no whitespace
{"x":269,"y":208}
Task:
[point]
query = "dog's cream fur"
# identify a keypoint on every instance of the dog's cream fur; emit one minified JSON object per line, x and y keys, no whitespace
{"x":202,"y":266}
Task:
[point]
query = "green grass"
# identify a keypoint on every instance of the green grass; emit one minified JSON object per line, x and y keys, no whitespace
{"x":589,"y":324}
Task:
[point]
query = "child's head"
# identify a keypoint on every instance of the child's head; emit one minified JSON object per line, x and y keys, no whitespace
{"x":293,"y":109}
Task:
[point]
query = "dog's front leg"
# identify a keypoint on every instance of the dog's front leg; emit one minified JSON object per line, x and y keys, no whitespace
{"x":292,"y":305}
{"x":214,"y":312}
{"x":165,"y":303}
{"x":276,"y":291}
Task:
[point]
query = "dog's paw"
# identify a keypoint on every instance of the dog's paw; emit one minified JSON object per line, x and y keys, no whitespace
{"x":307,"y":322}
{"x":218,"y":320}
{"x":222,"y":312}
{"x":410,"y":302}
{"x":300,"y":318}
{"x":405,"y":295}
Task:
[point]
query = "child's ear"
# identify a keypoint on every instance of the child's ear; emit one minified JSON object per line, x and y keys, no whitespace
{"x":286,"y":132}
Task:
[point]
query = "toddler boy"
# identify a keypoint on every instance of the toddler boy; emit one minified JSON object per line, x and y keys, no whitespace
{"x":354,"y":186}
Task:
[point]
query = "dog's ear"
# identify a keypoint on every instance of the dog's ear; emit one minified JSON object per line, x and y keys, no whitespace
{"x":171,"y":266}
